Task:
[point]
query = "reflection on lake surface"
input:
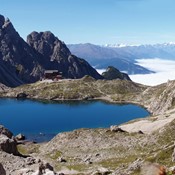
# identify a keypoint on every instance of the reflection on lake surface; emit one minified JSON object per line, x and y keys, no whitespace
{"x":42,"y":120}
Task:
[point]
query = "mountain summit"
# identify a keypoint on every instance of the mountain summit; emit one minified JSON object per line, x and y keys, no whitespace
{"x":22,"y":62}
{"x":112,"y":73}
{"x":56,"y":55}
{"x":18,"y":62}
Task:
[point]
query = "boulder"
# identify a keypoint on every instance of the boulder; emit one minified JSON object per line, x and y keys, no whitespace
{"x":61,"y":159}
{"x":44,"y":167}
{"x":21,"y":95}
{"x":20,"y":137}
{"x":115,"y":128}
{"x":5,"y":132}
{"x":8,"y":145}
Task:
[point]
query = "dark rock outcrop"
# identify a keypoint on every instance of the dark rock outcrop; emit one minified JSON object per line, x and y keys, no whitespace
{"x":6,"y":132}
{"x":18,"y":62}
{"x":20,"y":137}
{"x":56,"y":56}
{"x":21,"y":95}
{"x":2,"y":170}
{"x":112,"y":73}
{"x":8,"y":145}
{"x":7,"y":142}
{"x":115,"y":128}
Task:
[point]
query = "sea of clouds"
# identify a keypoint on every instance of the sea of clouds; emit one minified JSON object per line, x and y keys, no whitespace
{"x":164,"y":71}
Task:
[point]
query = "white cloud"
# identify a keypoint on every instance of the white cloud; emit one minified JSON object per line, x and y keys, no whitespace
{"x":100,"y":71}
{"x":165,"y":70}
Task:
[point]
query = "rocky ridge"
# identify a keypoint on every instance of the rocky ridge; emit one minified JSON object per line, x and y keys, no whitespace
{"x":56,"y":56}
{"x":22,"y":62}
{"x":18,"y":62}
{"x":112,"y":73}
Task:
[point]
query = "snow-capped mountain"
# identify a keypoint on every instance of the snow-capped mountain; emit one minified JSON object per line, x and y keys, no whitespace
{"x":122,"y":56}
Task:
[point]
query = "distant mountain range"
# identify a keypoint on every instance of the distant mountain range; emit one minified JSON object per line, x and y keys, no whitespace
{"x":24,"y":62}
{"x":122,"y":56}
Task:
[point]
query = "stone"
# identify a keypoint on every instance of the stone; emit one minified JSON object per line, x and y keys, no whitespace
{"x":88,"y":161}
{"x":30,"y":161}
{"x":60,"y":159}
{"x":115,"y":128}
{"x":5,"y":132}
{"x":140,"y":132}
{"x":2,"y":170}
{"x":45,"y":167}
{"x":8,"y":145}
{"x":136,"y":165}
{"x":20,"y":137}
{"x":21,"y":95}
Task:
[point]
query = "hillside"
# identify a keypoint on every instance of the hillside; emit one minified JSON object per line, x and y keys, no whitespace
{"x":101,"y":57}
{"x":123,"y":57}
{"x":112,"y":150}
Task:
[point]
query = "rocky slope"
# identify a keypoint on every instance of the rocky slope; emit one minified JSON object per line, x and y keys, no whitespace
{"x":22,"y":62}
{"x":117,"y":150}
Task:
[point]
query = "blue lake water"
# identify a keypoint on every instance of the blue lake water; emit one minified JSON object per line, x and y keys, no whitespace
{"x":40,"y":121}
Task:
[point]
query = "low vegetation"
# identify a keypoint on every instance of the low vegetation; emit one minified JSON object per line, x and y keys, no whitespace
{"x":93,"y":150}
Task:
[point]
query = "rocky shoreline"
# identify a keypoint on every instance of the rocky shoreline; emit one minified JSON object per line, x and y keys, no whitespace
{"x":120,"y":150}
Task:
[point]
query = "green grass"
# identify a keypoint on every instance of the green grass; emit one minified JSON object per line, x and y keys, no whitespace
{"x":28,"y":149}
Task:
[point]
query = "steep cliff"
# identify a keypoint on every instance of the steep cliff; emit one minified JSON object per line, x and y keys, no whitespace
{"x":18,"y":63}
{"x":56,"y":55}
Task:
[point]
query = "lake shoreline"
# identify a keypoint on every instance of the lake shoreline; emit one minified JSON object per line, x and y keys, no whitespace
{"x":82,"y":112}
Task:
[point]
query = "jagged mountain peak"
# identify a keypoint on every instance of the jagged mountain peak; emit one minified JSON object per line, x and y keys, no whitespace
{"x":22,"y":62}
{"x":48,"y":45}
{"x":57,"y":56}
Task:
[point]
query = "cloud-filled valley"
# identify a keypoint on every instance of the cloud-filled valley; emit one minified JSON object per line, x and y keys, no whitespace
{"x":164,"y":71}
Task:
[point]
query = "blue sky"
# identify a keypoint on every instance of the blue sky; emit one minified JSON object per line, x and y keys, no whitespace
{"x":95,"y":21}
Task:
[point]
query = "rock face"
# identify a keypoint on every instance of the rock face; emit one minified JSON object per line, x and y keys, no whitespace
{"x":5,"y":132}
{"x":112,"y":73}
{"x":7,"y":143}
{"x":22,"y":62}
{"x":20,"y":137}
{"x":2,"y":170}
{"x":18,"y":62}
{"x":57,"y":56}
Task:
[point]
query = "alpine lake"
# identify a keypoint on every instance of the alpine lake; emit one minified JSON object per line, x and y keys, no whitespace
{"x":41,"y":120}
